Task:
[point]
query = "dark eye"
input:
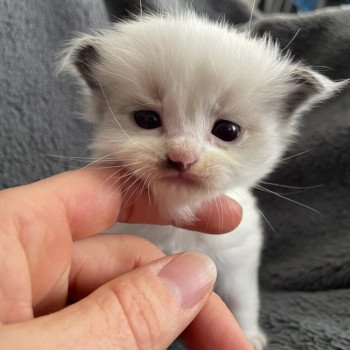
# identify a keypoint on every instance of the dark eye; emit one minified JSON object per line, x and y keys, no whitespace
{"x":147,"y":119}
{"x":226,"y":130}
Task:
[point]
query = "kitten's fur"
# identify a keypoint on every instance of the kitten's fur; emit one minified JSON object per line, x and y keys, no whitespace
{"x":194,"y":72}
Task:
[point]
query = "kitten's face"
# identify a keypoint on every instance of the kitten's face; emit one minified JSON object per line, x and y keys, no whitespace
{"x":192,"y":109}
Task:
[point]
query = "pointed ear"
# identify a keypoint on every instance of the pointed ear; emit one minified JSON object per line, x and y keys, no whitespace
{"x":308,"y":88}
{"x":82,"y":57}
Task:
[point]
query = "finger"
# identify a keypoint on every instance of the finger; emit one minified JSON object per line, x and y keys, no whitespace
{"x":37,"y":225}
{"x":99,"y":259}
{"x":219,"y":215}
{"x":146,"y":308}
{"x":215,"y":328}
{"x":76,"y":203}
{"x":86,"y":202}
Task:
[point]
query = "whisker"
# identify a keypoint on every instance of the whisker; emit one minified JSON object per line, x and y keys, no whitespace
{"x":93,"y":162}
{"x":141,"y":10}
{"x":126,"y":201}
{"x":292,"y":187}
{"x":127,"y":175}
{"x":286,"y":198}
{"x":227,"y":200}
{"x":251,"y":16}
{"x":217,"y":206}
{"x":104,"y":163}
{"x":209,"y":216}
{"x":87,"y":159}
{"x":154,"y":187}
{"x":144,"y":185}
{"x":148,"y":188}
{"x":222,"y":216}
{"x":125,"y":191}
{"x":239,"y":197}
{"x":267,"y":221}
{"x":212,"y":63}
{"x":298,"y":154}
{"x":115,"y":173}
{"x":290,"y":42}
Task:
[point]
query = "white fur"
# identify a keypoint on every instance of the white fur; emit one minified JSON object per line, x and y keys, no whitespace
{"x":236,"y":255}
{"x":193,"y":73}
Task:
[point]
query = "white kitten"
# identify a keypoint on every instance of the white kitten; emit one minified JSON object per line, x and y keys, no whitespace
{"x":196,"y":109}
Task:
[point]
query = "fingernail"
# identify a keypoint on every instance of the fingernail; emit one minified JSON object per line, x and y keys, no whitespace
{"x":189,"y":276}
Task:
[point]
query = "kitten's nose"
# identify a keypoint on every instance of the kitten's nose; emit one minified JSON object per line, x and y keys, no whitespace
{"x":180,"y":165}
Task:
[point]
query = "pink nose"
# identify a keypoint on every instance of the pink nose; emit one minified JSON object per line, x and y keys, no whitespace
{"x":180,"y":163}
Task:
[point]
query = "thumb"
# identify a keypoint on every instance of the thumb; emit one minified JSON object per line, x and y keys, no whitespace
{"x":146,"y":308}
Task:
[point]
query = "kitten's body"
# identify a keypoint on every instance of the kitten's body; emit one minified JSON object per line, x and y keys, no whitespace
{"x":194,"y":74}
{"x":236,"y":255}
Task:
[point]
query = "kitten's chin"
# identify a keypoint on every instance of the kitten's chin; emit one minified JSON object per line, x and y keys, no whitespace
{"x":179,"y":201}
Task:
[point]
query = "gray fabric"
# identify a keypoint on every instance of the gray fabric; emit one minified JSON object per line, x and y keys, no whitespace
{"x":316,"y":320}
{"x":320,"y":40}
{"x":306,"y":264}
{"x":234,"y":11}
{"x":305,"y":273}
{"x":38,"y":109}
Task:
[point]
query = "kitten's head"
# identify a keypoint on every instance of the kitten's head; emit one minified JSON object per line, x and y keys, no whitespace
{"x":191,"y":108}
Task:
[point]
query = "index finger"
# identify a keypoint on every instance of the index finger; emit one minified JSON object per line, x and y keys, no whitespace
{"x":220,"y":215}
{"x":89,"y":201}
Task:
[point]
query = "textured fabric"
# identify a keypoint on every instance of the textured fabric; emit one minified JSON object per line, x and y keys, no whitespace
{"x":39,"y":109}
{"x":234,"y":11}
{"x":315,"y":320}
{"x":305,"y":274}
{"x":306,"y":262}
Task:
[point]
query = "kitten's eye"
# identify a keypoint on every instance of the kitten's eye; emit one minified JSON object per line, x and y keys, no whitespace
{"x":147,"y":119}
{"x":226,"y":130}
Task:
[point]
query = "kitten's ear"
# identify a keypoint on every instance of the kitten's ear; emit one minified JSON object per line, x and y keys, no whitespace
{"x":82,"y":57}
{"x":308,"y":88}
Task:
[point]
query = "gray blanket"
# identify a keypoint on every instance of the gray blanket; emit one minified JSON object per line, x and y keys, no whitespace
{"x":306,"y":264}
{"x":305,"y":274}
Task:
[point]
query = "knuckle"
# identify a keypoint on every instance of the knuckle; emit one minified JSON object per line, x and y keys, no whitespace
{"x":149,"y":251}
{"x":143,"y":250}
{"x":141,"y":311}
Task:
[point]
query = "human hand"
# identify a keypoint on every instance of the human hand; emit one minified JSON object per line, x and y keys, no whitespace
{"x":127,"y":294}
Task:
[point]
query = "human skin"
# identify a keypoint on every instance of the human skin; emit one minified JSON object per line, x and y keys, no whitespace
{"x":64,"y":285}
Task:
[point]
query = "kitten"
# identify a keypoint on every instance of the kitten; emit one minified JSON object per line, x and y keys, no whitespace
{"x":195,"y":109}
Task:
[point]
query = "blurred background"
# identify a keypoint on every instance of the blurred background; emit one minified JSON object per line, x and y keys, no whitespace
{"x":292,"y":6}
